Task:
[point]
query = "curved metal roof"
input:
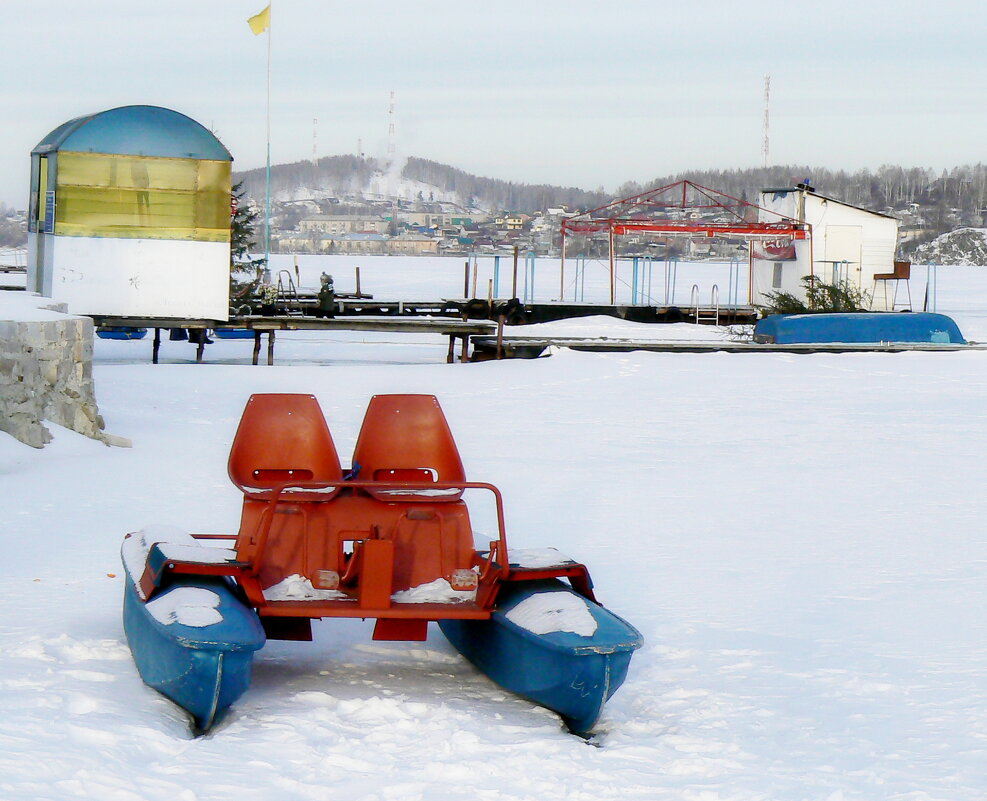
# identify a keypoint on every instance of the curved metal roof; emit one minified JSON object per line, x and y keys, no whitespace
{"x":136,"y":131}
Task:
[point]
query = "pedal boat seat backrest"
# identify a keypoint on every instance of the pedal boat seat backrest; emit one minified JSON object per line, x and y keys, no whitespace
{"x":407,"y":438}
{"x":284,"y":438}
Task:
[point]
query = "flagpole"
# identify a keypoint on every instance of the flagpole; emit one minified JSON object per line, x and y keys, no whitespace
{"x":267,"y":219}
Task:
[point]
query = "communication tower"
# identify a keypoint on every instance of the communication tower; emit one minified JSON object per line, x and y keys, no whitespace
{"x":391,"y":145}
{"x":764,"y":143}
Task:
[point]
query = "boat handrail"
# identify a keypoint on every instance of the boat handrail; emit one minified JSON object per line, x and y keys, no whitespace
{"x":274,"y":495}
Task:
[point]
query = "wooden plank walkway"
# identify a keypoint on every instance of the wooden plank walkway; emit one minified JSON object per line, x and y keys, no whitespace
{"x":455,"y":329}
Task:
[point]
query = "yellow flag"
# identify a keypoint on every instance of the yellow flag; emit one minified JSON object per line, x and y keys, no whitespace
{"x":260,"y":22}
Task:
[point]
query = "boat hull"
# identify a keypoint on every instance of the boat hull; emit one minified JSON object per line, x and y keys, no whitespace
{"x":233,"y":333}
{"x":121,"y":332}
{"x":202,"y":668}
{"x":570,"y":673}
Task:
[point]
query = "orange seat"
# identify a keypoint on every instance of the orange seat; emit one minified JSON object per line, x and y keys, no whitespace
{"x":284,"y":438}
{"x":405,"y":438}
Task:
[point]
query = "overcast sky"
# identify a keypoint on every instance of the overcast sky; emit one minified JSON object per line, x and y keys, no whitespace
{"x":573,"y":93}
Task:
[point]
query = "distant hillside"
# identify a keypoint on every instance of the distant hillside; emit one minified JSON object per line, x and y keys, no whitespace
{"x":349,"y":177}
{"x":333,"y":176}
{"x":959,"y":190}
{"x":927,"y":203}
{"x":964,"y":246}
{"x":890,"y":187}
{"x":495,"y":194}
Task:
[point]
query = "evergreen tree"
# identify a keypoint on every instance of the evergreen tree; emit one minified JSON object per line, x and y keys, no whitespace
{"x":243,"y":225}
{"x":245,"y":271}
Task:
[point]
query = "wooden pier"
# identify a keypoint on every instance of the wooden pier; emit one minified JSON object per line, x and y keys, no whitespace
{"x":515,"y":311}
{"x":455,"y":329}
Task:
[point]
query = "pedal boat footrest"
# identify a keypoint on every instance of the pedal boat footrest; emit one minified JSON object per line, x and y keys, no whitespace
{"x":198,"y":560}
{"x":542,"y":563}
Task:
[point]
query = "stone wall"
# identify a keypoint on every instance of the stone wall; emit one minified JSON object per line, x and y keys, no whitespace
{"x":46,"y":374}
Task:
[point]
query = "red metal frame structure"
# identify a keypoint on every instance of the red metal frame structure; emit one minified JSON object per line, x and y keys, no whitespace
{"x":683,"y":209}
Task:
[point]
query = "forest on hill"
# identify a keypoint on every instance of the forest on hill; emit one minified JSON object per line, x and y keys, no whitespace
{"x":948,"y":198}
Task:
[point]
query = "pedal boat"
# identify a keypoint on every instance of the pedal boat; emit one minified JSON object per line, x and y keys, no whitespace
{"x":391,"y":540}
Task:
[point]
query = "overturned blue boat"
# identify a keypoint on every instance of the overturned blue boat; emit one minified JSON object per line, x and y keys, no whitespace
{"x":858,"y":328}
{"x":120,"y":332}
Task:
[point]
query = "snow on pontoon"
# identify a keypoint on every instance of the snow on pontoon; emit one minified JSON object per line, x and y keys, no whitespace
{"x":390,"y":540}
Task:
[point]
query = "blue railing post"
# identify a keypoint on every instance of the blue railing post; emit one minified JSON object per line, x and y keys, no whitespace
{"x":529,"y":284}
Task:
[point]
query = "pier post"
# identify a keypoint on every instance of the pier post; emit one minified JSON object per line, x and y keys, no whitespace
{"x":514,"y":282}
{"x":613,"y":270}
{"x":562,"y":270}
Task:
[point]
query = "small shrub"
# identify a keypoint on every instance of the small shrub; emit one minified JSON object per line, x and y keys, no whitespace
{"x":841,"y":296}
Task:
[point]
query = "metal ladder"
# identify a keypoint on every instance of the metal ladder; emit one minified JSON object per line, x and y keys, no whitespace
{"x":288,"y":294}
{"x":713,"y":314}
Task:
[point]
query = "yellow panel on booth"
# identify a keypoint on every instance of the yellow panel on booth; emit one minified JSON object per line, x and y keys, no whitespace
{"x":140,"y":197}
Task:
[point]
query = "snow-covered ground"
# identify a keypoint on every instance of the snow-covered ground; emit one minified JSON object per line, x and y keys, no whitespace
{"x":800,"y":539}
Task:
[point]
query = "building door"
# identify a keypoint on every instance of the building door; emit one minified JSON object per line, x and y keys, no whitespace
{"x":843,"y":254}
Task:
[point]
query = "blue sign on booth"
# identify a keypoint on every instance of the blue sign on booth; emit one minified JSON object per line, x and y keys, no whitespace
{"x":49,"y":226}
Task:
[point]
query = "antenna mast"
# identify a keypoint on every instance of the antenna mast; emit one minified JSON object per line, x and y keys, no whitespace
{"x":315,"y":141}
{"x":391,"y":147}
{"x":391,"y":178}
{"x":764,"y":143}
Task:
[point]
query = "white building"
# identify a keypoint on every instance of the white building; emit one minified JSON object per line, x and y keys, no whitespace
{"x":845,"y":243}
{"x":130,"y":216}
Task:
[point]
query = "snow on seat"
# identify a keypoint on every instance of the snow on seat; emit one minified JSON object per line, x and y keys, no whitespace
{"x":156,"y":544}
{"x":537,"y":558}
{"x":196,"y":554}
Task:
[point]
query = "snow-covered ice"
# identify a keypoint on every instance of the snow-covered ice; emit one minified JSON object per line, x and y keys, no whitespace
{"x":799,"y":538}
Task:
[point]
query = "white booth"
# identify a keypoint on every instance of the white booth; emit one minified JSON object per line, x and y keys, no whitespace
{"x":130,"y":216}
